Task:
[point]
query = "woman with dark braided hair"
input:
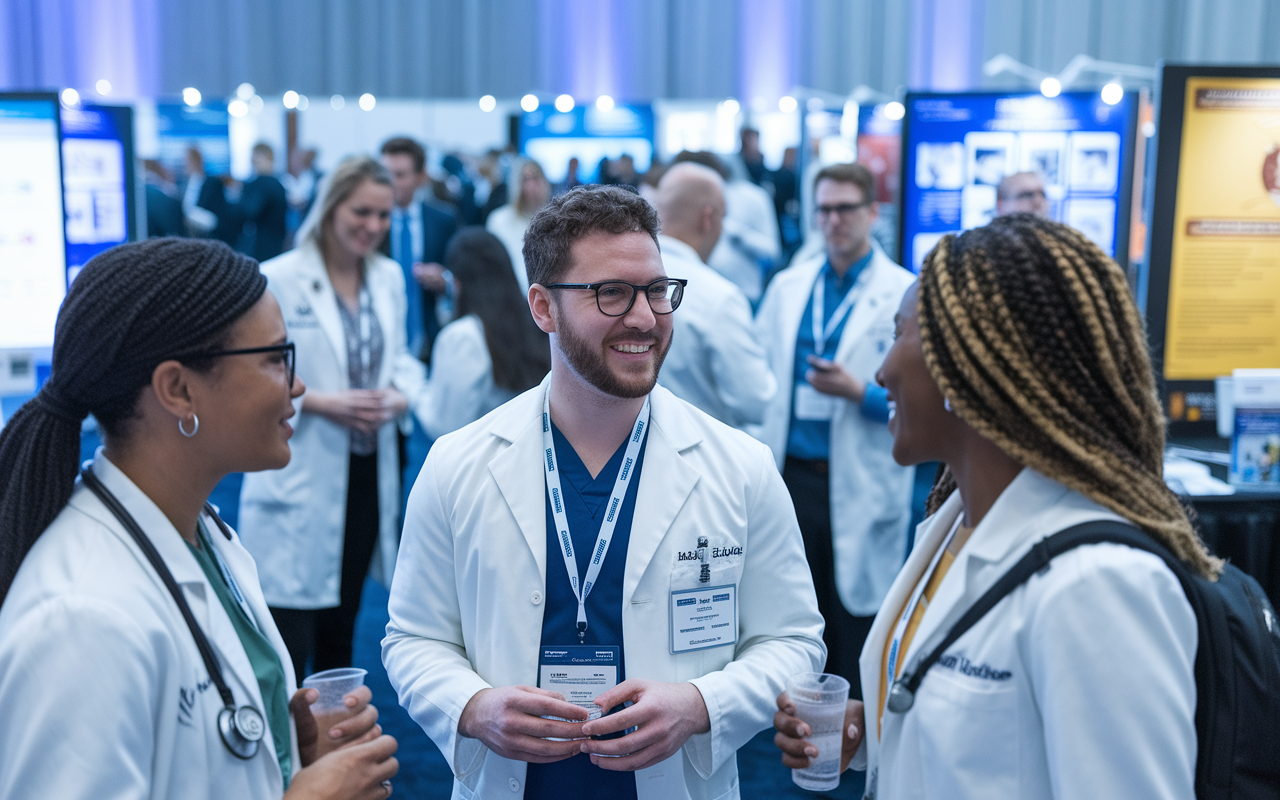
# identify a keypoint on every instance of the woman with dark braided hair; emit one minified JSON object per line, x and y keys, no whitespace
{"x":1020,"y":362}
{"x":133,"y":632}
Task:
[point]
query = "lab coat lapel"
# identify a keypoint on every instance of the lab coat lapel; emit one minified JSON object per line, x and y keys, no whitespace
{"x":318,"y":290}
{"x":872,"y":294}
{"x":518,"y":471}
{"x":666,"y":481}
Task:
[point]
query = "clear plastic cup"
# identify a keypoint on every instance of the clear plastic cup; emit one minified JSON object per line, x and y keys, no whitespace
{"x":820,"y":700}
{"x":333,"y":685}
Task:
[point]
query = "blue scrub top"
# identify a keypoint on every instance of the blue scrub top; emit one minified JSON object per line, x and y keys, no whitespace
{"x":811,"y":439}
{"x":585,"y":503}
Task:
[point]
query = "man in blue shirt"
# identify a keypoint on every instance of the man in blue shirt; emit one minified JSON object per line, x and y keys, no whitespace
{"x":829,"y":324}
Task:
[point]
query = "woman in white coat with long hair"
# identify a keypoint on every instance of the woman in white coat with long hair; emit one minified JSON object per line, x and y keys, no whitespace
{"x":492,"y":350}
{"x":316,"y":526}
{"x":1020,"y":362}
{"x":530,"y":191}
{"x":134,"y":639}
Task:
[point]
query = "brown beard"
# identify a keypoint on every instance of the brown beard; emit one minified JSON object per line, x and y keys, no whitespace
{"x":590,"y":363}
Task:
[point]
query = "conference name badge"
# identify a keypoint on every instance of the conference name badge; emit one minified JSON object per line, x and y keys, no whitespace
{"x":579,"y":672}
{"x":704,"y":617}
{"x":814,"y":406}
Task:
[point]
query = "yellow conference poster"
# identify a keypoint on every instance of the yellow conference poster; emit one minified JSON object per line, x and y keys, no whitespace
{"x":1224,"y":276}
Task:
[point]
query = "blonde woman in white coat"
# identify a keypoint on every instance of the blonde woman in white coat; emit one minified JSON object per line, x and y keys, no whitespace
{"x":492,"y":350}
{"x":531,"y":191}
{"x":131,"y":621}
{"x":317,"y":525}
{"x":1021,"y":363}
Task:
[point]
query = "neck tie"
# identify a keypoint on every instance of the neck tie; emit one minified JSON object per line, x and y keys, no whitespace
{"x":415,"y":331}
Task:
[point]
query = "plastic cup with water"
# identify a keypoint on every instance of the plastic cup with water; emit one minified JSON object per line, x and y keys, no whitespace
{"x":333,"y":685}
{"x":820,"y":700}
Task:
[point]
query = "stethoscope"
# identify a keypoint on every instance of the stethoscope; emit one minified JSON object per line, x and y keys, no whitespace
{"x":241,"y":728}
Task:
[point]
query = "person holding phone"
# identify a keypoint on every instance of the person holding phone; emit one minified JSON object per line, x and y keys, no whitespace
{"x":135,"y":644}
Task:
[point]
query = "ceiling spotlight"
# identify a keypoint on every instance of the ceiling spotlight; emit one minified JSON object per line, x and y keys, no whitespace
{"x":786,"y":104}
{"x":488,"y":103}
{"x":70,"y":97}
{"x":337,"y":102}
{"x":894,"y":110}
{"x":564,"y":103}
{"x":1112,"y":93}
{"x":529,"y":102}
{"x":103,"y":86}
{"x":303,"y":102}
{"x":290,"y":99}
{"x":245,"y":90}
{"x":604,"y":103}
{"x":237,"y":108}
{"x":367,"y":101}
{"x":1050,"y":87}
{"x":730,"y":107}
{"x":191,"y":96}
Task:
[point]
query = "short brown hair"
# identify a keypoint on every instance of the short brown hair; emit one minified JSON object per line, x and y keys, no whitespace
{"x":575,"y":215}
{"x":853,"y":173}
{"x":404,"y":146}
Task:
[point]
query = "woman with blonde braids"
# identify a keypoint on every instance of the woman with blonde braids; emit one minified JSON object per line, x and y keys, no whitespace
{"x":1020,"y":362}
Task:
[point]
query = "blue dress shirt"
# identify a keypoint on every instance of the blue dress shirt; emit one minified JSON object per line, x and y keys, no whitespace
{"x":585,"y":502}
{"x":811,"y":439}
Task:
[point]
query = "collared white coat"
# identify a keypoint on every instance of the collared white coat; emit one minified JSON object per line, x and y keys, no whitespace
{"x":103,"y":690}
{"x":870,"y":493}
{"x":467,"y":600}
{"x":1078,"y":684}
{"x":461,"y":388}
{"x":714,"y":362}
{"x":293,"y":519}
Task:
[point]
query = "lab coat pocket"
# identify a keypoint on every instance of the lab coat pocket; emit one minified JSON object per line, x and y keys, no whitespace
{"x":967,"y":734}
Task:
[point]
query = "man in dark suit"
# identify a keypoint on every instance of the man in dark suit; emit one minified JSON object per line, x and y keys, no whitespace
{"x":263,"y":205}
{"x":420,"y":232}
{"x":205,"y":205}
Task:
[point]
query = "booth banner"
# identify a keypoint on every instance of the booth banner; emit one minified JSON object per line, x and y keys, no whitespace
{"x":1224,"y":278}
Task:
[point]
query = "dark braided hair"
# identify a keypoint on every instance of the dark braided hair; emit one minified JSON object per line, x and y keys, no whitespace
{"x":129,"y":309}
{"x":1031,"y":334}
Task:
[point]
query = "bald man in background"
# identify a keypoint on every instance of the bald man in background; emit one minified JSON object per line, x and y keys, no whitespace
{"x":1022,"y":192}
{"x":715,"y":361}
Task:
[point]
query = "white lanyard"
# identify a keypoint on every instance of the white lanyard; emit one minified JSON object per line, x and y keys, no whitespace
{"x":205,"y":542}
{"x":625,"y":472}
{"x":821,"y":333}
{"x":916,"y":598}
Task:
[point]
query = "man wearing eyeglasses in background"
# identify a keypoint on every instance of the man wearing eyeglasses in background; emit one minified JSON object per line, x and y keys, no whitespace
{"x":597,"y":545}
{"x":827,"y":324}
{"x":1022,"y":191}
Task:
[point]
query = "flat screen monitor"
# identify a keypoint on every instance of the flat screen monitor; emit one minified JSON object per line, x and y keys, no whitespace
{"x":33,"y":258}
{"x":206,"y":127}
{"x":98,"y":181}
{"x":589,"y":134}
{"x":1212,"y":287}
{"x":957,"y":148}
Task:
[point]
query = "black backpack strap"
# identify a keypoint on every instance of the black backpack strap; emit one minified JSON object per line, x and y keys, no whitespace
{"x":901,"y":695}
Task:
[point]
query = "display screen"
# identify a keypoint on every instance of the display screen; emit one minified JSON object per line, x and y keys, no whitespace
{"x":958,"y":147}
{"x":552,"y":138}
{"x":205,"y":127}
{"x":97,"y":177}
{"x":33,"y":266}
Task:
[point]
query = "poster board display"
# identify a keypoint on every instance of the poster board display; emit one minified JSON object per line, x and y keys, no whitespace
{"x":98,"y":181}
{"x":957,"y":147}
{"x":589,"y":134}
{"x":1212,"y":288}
{"x":33,"y":258}
{"x":206,"y":127}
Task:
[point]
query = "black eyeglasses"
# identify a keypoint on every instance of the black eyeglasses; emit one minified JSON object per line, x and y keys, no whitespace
{"x":615,"y":298}
{"x":287,"y":351}
{"x":842,"y":209}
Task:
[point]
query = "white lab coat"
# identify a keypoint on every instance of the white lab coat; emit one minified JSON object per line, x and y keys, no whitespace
{"x":293,"y":519}
{"x":870,"y":493}
{"x":750,"y":234}
{"x":509,"y":226}
{"x":714,"y":362}
{"x":466,"y":603}
{"x":461,"y":388}
{"x":1100,"y":695}
{"x":103,"y":690}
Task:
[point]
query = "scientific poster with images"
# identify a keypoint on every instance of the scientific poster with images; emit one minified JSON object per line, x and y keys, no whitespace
{"x":1224,"y":273}
{"x":958,"y":147}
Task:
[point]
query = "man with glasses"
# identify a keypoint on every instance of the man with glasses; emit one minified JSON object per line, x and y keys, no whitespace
{"x":600,"y":588}
{"x":827,"y":324}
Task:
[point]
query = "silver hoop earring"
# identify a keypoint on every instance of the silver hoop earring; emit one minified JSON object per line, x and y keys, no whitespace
{"x":945,"y":404}
{"x":194,"y":429}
